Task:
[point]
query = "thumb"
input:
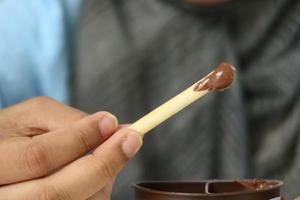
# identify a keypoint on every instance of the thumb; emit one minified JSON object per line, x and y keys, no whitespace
{"x":104,"y":193}
{"x":84,"y":177}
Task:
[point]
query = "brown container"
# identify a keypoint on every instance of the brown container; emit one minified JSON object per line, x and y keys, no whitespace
{"x":209,"y":190}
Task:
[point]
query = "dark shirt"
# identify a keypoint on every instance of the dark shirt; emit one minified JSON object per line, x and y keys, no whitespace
{"x":136,"y":54}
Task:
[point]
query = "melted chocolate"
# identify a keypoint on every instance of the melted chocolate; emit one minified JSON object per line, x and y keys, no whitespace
{"x":220,"y":79}
{"x":256,"y":184}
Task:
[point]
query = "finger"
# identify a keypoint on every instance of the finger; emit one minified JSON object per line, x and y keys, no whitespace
{"x":123,"y":126}
{"x":32,"y":190}
{"x":104,"y":193}
{"x":298,"y":198}
{"x":27,"y":158}
{"x":82,"y":178}
{"x":37,"y":116}
{"x":96,"y":170}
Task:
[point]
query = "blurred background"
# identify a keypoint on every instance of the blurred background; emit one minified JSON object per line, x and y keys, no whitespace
{"x":129,"y":56}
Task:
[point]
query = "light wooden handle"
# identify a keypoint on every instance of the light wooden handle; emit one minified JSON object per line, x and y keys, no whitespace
{"x":167,"y":110}
{"x":218,"y":80}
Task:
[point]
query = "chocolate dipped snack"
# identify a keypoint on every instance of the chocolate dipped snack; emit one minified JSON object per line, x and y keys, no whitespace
{"x":210,"y":190}
{"x":218,"y":80}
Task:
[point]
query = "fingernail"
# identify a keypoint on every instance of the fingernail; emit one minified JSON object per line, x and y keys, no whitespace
{"x":108,"y":125}
{"x":132,"y":144}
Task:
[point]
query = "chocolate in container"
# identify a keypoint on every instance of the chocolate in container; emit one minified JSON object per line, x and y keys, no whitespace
{"x":210,"y":190}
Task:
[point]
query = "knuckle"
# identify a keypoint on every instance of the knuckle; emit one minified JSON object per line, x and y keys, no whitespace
{"x":106,"y":193}
{"x":82,"y":141}
{"x":37,"y":159}
{"x":52,"y":193}
{"x":106,"y":170}
{"x":83,"y":134}
{"x":42,"y":100}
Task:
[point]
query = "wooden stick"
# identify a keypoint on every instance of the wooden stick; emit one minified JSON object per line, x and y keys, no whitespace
{"x":167,"y":110}
{"x":217,"y":80}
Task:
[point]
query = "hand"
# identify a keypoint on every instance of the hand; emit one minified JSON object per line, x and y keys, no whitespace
{"x":43,"y":147}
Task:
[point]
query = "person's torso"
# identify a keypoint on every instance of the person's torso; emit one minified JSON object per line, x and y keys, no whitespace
{"x":135,"y":54}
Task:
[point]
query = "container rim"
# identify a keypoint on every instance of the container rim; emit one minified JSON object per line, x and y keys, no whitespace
{"x":138,"y":186}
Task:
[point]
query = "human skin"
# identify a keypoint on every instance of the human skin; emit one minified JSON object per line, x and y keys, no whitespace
{"x":44,"y":146}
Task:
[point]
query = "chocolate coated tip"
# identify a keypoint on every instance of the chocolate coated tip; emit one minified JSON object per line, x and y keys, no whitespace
{"x":220,"y":79}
